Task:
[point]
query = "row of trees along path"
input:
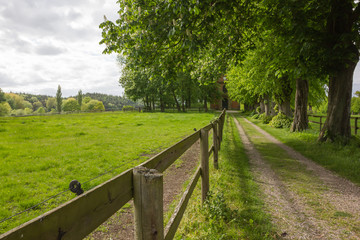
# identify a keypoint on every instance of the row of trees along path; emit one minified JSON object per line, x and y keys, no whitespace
{"x":305,"y":200}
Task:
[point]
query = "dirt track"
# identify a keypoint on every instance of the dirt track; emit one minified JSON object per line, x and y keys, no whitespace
{"x":305,"y":200}
{"x":121,"y":225}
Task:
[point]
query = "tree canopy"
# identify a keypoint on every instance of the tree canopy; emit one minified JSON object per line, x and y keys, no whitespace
{"x":307,"y":46}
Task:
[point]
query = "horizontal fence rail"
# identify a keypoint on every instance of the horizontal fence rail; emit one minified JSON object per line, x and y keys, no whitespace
{"x":80,"y":216}
{"x":321,"y":122}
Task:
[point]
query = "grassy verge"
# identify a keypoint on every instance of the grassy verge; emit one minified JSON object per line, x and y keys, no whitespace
{"x":40,"y":155}
{"x":234,"y":209}
{"x":344,"y":160}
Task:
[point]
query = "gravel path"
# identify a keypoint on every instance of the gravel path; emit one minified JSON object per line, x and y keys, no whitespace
{"x":312,"y":203}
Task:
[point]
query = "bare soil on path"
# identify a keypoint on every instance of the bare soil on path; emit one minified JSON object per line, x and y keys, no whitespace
{"x":121,"y":225}
{"x":306,"y":201}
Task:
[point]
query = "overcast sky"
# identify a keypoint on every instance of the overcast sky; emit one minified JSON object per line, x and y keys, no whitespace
{"x":44,"y":43}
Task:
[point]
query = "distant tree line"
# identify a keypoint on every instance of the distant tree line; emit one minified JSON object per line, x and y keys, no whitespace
{"x":26,"y":104}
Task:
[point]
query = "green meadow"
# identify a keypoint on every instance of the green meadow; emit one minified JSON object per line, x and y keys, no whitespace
{"x":40,"y":155}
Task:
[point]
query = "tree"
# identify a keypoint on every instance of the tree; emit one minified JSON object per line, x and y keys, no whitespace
{"x":50,"y":103}
{"x":93,"y":106}
{"x":37,"y":105}
{"x":70,"y":105}
{"x":79,"y":98}
{"x":321,"y":36}
{"x":87,"y":99}
{"x":58,"y":99}
{"x":2,"y":96}
{"x":5,"y":108}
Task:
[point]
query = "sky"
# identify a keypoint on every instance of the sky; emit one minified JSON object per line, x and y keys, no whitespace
{"x":46,"y":43}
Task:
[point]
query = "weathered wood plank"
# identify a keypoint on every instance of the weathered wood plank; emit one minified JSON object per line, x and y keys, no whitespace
{"x":215,"y":145}
{"x":148,"y":203}
{"x":164,"y":159}
{"x":80,"y":216}
{"x":204,"y":146}
{"x":175,"y":219}
{"x":211,"y":150}
{"x":207,"y":127}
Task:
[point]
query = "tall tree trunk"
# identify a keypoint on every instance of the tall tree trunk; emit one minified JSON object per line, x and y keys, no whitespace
{"x":340,"y":43}
{"x":301,"y":120}
{"x":285,"y":108}
{"x":205,"y":105}
{"x":176,"y":102}
{"x":267,"y":105}
{"x":262,"y":106}
{"x":337,"y":123}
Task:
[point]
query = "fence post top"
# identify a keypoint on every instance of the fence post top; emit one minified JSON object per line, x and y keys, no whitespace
{"x":148,"y":173}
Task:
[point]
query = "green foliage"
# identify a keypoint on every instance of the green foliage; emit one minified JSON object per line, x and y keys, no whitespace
{"x":258,"y":110}
{"x":51,"y":103}
{"x":40,"y":110}
{"x":87,"y":99}
{"x":58,"y":99}
{"x":5,"y":108}
{"x":70,"y":105}
{"x":28,"y":104}
{"x":216,"y":208}
{"x":50,"y":151}
{"x":93,"y":106}
{"x":276,"y":108}
{"x":355,"y":105}
{"x":280,"y":121}
{"x":79,"y":98}
{"x":265,"y":119}
{"x":18,"y":112}
{"x":28,"y":111}
{"x":128,"y":108}
{"x":37,"y":105}
{"x":15,"y":101}
{"x":2,"y":96}
{"x":255,"y":116}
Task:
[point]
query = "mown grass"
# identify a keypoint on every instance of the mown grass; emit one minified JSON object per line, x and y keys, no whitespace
{"x":234,"y":209}
{"x":40,"y":155}
{"x":344,"y":160}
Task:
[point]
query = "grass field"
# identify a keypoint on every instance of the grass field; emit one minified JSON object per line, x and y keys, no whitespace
{"x":40,"y":155}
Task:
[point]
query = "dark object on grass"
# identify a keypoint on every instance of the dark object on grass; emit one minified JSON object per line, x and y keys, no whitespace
{"x":75,"y":187}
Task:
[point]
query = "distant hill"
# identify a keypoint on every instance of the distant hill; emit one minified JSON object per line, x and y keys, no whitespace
{"x":111,"y":103}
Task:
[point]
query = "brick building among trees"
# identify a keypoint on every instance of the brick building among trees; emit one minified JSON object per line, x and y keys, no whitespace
{"x":224,"y":101}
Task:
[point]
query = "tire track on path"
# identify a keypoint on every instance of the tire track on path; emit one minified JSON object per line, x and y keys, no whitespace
{"x":292,"y":214}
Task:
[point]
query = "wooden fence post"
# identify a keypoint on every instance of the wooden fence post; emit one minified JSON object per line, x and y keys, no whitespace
{"x":215,"y":144}
{"x":204,"y":155}
{"x":148,"y":202}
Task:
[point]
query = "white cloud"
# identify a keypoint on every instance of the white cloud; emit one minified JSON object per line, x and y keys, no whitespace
{"x":46,"y":43}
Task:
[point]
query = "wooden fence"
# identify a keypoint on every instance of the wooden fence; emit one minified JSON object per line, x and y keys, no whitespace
{"x":321,"y":122}
{"x":80,"y":216}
